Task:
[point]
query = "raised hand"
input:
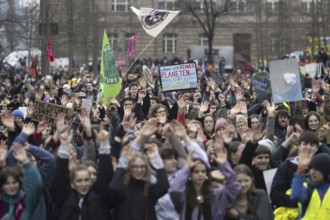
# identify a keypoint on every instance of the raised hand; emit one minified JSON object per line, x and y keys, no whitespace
{"x":204,"y":107}
{"x":3,"y":153}
{"x":305,"y":156}
{"x":220,"y":155}
{"x":179,"y":129}
{"x":29,"y":129}
{"x":239,"y":95}
{"x":60,"y":123}
{"x":271,"y":109}
{"x":258,"y":134}
{"x":152,"y":150}
{"x":29,"y":109}
{"x":8,"y":121}
{"x":66,"y":137}
{"x":167,"y":130}
{"x":127,"y":151}
{"x":149,"y":128}
{"x":190,"y":163}
{"x":181,"y":103}
{"x":20,"y":154}
{"x":41,"y":127}
{"x":64,"y":100}
{"x":73,"y":161}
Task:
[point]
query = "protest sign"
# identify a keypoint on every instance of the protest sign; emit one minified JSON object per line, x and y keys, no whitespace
{"x":261,"y":85}
{"x":45,"y":111}
{"x":268,"y":177}
{"x":311,"y":69}
{"x":148,"y":76}
{"x":285,"y":80}
{"x":86,"y":104}
{"x":178,"y":77}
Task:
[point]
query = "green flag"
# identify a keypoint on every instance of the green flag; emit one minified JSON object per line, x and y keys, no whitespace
{"x":110,"y":82}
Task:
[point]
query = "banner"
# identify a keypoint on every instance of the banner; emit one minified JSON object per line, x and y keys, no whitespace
{"x":110,"y":82}
{"x":45,"y":111}
{"x":261,"y":85}
{"x":154,"y":20}
{"x":50,"y":52}
{"x":131,"y":45}
{"x":148,"y":76}
{"x":285,"y":80}
{"x":178,"y":77}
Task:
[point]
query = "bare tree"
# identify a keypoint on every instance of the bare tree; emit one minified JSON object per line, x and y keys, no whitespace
{"x":207,"y":12}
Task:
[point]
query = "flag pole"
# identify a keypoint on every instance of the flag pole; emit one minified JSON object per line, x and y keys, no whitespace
{"x":138,"y":56}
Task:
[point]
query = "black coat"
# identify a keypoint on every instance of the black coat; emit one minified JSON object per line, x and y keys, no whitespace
{"x":133,"y":205}
{"x":96,"y":204}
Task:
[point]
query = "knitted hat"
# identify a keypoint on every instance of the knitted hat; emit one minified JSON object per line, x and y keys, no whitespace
{"x":221,"y":123}
{"x":267,"y":143}
{"x":18,"y":113}
{"x":321,"y":162}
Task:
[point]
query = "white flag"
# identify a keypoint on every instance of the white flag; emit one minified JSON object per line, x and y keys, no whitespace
{"x":154,"y":20}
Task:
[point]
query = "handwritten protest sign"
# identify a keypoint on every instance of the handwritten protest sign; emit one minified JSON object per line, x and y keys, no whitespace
{"x":285,"y":80}
{"x":86,"y":104}
{"x":261,"y":85}
{"x":148,"y":75}
{"x":45,"y":111}
{"x":178,"y":77}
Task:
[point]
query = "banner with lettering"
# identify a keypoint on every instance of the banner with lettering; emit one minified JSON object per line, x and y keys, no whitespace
{"x":261,"y":85}
{"x":45,"y":111}
{"x":110,"y":82}
{"x":285,"y":80}
{"x":178,"y":77}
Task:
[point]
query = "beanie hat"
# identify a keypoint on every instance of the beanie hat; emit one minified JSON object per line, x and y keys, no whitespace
{"x":18,"y":113}
{"x":221,"y":123}
{"x":321,"y":162}
{"x":267,"y":143}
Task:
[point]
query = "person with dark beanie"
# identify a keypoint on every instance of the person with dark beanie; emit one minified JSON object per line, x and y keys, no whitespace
{"x":315,"y":199}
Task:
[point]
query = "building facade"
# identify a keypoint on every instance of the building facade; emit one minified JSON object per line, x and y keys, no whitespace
{"x":258,"y":29}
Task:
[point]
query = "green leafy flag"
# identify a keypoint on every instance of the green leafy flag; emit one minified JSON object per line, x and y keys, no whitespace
{"x":110,"y":82}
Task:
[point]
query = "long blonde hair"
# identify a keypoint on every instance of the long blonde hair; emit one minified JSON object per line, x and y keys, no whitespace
{"x":129,"y":171}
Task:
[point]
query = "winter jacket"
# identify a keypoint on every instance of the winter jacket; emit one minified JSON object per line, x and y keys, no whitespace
{"x":222,"y":198}
{"x":28,"y":196}
{"x":259,"y":207}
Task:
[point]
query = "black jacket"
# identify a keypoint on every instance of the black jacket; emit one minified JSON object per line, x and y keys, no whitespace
{"x":96,"y":204}
{"x":133,"y":205}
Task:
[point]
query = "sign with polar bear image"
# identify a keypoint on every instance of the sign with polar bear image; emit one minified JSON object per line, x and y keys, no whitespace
{"x":285,"y":80}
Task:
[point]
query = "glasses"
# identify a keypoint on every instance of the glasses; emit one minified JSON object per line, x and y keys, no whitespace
{"x":139,"y":167}
{"x":160,"y":112}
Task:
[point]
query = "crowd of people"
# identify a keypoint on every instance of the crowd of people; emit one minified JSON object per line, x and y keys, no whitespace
{"x":192,"y":155}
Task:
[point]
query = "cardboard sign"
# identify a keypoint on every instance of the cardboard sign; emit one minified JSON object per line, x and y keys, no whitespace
{"x":311,"y":69}
{"x":268,"y":177}
{"x":285,"y":80}
{"x":261,"y":84}
{"x":86,"y":104}
{"x":45,"y":111}
{"x":178,"y":77}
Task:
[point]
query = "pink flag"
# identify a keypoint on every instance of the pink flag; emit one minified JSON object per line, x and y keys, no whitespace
{"x":50,"y":52}
{"x":131,"y":48}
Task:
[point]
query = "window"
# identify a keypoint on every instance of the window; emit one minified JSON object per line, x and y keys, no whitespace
{"x":241,"y":6}
{"x":167,"y":4}
{"x":272,"y":6}
{"x":120,"y":5}
{"x":202,"y":4}
{"x":114,"y":42}
{"x":203,"y":40}
{"x":274,"y":43}
{"x":307,"y":6}
{"x":169,"y":43}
